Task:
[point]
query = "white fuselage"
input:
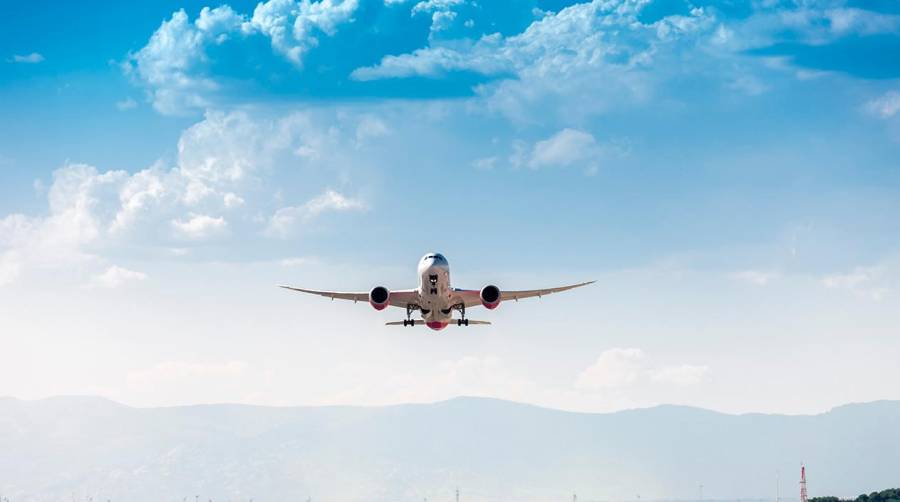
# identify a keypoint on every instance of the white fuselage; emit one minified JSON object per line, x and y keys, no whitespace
{"x":435,"y":293}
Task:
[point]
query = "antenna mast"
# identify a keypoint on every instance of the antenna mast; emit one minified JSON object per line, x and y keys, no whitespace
{"x":803,"y":483}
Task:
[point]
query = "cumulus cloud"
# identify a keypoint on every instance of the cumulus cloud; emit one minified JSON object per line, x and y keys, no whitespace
{"x":285,"y":220}
{"x":614,"y":368}
{"x":218,"y":188}
{"x":885,"y":106}
{"x":586,"y":59}
{"x":32,"y":58}
{"x":292,"y":26}
{"x":174,"y":65}
{"x":564,"y":148}
{"x":170,"y":65}
{"x":563,"y":54}
{"x":115,"y":276}
{"x":200,"y":226}
{"x":620,"y":368}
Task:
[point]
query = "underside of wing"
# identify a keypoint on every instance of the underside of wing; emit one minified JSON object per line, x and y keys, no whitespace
{"x":400,"y":298}
{"x":530,"y":293}
{"x":472,"y":298}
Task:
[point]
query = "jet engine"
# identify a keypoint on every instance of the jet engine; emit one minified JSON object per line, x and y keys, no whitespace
{"x":490,"y":296}
{"x":379,"y":297}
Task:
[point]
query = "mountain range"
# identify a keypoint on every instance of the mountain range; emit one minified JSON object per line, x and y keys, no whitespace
{"x":81,"y":448}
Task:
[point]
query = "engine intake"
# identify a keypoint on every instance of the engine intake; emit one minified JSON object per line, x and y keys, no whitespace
{"x":490,"y":296}
{"x":379,"y":297}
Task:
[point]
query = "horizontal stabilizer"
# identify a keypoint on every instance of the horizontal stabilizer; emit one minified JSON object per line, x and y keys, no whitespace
{"x":420,"y":322}
{"x":405,"y":323}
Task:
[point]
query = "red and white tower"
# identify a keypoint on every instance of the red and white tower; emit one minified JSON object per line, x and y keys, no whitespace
{"x":803,"y":483}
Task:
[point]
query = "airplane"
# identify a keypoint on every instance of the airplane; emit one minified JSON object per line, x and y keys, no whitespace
{"x":434,"y":298}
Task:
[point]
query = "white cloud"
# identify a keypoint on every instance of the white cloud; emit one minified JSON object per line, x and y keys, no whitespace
{"x":597,"y":49}
{"x":232,"y":200}
{"x":614,"y":368}
{"x":867,"y":282}
{"x":200,"y":226}
{"x":624,"y":368}
{"x":332,"y":201}
{"x":485,"y":163}
{"x":168,"y":64}
{"x":427,"y":6}
{"x":371,"y":127}
{"x":292,"y":25}
{"x":567,"y":147}
{"x":433,"y":62}
{"x":126,"y":104}
{"x":843,"y":21}
{"x":115,"y":276}
{"x":219,"y":186}
{"x":285,"y":220}
{"x":885,"y":106}
{"x":174,"y":64}
{"x":32,"y":58}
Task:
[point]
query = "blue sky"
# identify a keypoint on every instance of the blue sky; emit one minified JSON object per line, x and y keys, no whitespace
{"x":727,"y":170}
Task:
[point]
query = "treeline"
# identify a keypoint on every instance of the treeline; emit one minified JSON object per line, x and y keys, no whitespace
{"x":890,"y":495}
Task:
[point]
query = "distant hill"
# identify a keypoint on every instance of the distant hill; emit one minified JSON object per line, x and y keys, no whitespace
{"x":492,"y":449}
{"x":889,"y":495}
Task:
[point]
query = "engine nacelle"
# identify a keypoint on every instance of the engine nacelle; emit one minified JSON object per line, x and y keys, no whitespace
{"x":490,"y":296}
{"x":379,"y":297}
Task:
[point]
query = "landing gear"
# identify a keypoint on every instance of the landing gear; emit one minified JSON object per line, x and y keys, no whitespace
{"x":462,"y":321}
{"x":409,"y":321}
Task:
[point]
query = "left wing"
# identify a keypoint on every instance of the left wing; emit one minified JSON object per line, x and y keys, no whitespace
{"x":400,"y":298}
{"x":471,"y":297}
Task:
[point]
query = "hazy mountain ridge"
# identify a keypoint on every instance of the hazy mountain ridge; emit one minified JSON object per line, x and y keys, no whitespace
{"x":491,"y":448}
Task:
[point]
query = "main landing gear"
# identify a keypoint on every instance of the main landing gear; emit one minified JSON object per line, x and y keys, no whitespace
{"x":410,"y":308}
{"x":462,"y":321}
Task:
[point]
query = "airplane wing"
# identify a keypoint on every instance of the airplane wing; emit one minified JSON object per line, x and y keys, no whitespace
{"x":400,"y":298}
{"x":471,"y":297}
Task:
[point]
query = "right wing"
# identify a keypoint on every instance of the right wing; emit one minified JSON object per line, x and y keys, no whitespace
{"x":472,"y":298}
{"x":518,"y":295}
{"x":400,"y":298}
